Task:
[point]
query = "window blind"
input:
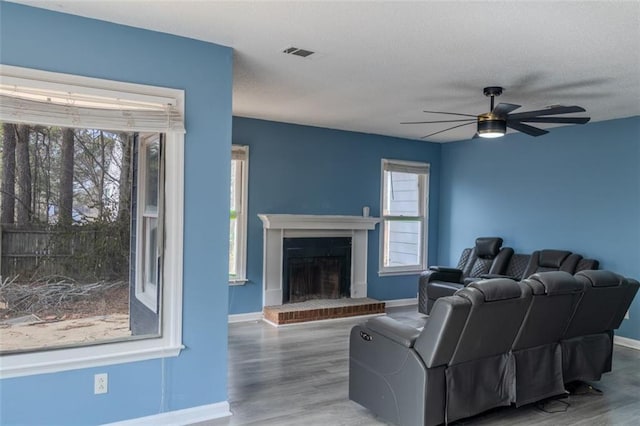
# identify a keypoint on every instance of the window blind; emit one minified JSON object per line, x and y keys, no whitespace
{"x":238,"y":152}
{"x":52,"y":104}
{"x":406,"y":167}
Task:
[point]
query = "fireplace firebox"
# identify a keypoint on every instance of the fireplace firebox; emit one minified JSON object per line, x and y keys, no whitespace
{"x":316,"y":268}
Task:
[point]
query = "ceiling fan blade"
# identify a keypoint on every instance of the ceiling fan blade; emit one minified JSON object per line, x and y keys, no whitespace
{"x":502,"y":109}
{"x":445,"y":130}
{"x":568,"y":120}
{"x":439,"y":121}
{"x":547,"y":111}
{"x":525,"y":128}
{"x":450,"y":113}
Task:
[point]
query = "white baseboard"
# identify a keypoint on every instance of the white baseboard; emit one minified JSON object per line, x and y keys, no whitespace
{"x":626,"y":342}
{"x":400,"y":302}
{"x":187,"y":416}
{"x":251,"y":316}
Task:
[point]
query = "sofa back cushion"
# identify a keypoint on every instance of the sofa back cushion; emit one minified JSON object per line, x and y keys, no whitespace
{"x":498,"y":307}
{"x":552,"y":260}
{"x":604,"y":298}
{"x":441,"y":332}
{"x":555,"y":295}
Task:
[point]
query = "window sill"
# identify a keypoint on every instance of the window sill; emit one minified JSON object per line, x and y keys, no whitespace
{"x":54,"y":361}
{"x":238,"y":281}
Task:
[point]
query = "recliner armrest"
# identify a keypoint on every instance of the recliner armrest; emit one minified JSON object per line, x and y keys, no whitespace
{"x":492,"y":276}
{"x":442,"y":273}
{"x":388,"y":327}
{"x":445,"y":269}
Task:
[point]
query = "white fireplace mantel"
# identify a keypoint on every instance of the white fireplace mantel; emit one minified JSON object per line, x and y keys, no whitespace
{"x":312,"y":221}
{"x":277,"y":227}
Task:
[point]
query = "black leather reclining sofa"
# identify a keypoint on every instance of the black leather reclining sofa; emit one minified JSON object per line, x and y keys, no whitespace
{"x":488,"y":259}
{"x":493,"y":343}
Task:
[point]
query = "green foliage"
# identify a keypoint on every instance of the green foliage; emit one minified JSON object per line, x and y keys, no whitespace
{"x":92,"y":251}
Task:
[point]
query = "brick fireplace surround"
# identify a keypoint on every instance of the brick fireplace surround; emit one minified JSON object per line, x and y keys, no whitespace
{"x":315,"y":310}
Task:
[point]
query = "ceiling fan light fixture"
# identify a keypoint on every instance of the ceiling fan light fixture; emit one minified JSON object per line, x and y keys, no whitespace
{"x":491,"y":128}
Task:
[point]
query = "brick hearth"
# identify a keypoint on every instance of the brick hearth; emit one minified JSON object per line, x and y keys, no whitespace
{"x":314,"y":310}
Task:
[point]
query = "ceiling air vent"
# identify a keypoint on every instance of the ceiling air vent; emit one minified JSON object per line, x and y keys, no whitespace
{"x":298,"y":52}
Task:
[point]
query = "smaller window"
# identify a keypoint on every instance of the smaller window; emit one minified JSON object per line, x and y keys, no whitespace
{"x":404,"y":217}
{"x":150,"y":194}
{"x":238,"y":214}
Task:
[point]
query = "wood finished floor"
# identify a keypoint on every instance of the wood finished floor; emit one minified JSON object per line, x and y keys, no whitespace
{"x":298,"y":375}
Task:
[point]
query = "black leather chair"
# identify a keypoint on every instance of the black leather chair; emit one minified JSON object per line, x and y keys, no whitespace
{"x":517,"y":265}
{"x":587,"y":344}
{"x":552,"y":260}
{"x":486,"y":257}
{"x":481,"y":372}
{"x":398,"y":372}
{"x":587,"y":265}
{"x":536,"y":349}
{"x":493,"y":343}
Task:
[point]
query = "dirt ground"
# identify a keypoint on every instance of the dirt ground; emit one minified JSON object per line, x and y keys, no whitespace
{"x":102,"y":315}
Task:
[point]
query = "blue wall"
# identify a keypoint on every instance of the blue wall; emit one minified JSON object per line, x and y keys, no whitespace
{"x":310,"y":170}
{"x":576,"y":188}
{"x":63,"y":43}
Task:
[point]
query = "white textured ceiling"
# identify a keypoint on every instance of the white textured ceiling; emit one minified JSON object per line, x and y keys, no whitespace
{"x":381,"y":63}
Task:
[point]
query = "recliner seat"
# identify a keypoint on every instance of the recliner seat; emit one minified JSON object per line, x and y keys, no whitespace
{"x":536,"y":349}
{"x":552,"y":260}
{"x":481,"y":372}
{"x":441,"y":281}
{"x":486,"y":257}
{"x":493,"y":343}
{"x":587,"y":344}
{"x":398,"y":372}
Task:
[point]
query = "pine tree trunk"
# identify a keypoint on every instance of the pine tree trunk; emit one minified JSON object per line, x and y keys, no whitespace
{"x":8,"y":173}
{"x":66,"y":178}
{"x":23,"y":171}
{"x":103,"y":166}
{"x":124,"y":200}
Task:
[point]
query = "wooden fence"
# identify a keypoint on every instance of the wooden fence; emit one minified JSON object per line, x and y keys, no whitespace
{"x":81,"y":252}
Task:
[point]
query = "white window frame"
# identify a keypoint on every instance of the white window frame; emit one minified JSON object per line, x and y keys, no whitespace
{"x":169,"y":343}
{"x":147,"y":291}
{"x":423,"y":188}
{"x":242,"y":198}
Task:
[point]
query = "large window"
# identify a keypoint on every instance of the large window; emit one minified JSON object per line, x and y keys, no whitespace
{"x":238,"y":214}
{"x":404,"y":216}
{"x":91,"y":221}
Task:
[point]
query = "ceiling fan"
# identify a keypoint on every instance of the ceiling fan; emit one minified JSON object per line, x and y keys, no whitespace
{"x":494,"y":123}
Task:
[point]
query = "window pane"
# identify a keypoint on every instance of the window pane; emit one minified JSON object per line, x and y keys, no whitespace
{"x":233,"y":247}
{"x":152,"y":174}
{"x":402,"y":243}
{"x":401,"y":196}
{"x":234,"y":166}
{"x":66,"y":267}
{"x":150,"y":280}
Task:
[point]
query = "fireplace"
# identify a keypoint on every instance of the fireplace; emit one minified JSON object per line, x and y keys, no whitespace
{"x":279,"y":227}
{"x":315,"y":268}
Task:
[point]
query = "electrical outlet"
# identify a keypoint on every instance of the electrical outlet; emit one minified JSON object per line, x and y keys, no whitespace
{"x":626,"y":316}
{"x":100,"y":383}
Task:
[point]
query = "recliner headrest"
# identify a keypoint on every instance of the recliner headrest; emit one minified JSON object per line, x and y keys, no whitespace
{"x":552,"y":258}
{"x":554,"y":282}
{"x":600,"y":278}
{"x":497,"y":289}
{"x":488,"y":246}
